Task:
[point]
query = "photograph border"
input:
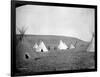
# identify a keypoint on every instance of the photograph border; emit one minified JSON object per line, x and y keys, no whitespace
{"x":15,"y":4}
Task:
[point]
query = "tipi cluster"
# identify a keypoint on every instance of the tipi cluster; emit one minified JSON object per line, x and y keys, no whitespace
{"x":42,"y":47}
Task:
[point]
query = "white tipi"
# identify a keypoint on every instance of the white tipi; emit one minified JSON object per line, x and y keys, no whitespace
{"x":91,"y":46}
{"x":35,"y":46}
{"x":72,"y":46}
{"x":42,"y":47}
{"x":62,"y":45}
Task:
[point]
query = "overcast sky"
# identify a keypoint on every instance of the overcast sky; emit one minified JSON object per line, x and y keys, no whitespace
{"x":52,"y":20}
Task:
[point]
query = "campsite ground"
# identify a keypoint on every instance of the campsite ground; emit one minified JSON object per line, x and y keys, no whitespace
{"x":54,"y":60}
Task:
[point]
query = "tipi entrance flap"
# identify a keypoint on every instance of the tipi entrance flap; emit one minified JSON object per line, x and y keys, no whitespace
{"x":62,"y":45}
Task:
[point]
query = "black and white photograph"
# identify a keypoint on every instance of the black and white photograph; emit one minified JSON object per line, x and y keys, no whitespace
{"x":51,"y":38}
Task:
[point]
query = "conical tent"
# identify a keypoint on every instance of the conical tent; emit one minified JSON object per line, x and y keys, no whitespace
{"x":38,"y":49}
{"x":35,"y":46}
{"x":62,"y":45}
{"x":91,"y":46}
{"x":72,"y":46}
{"x":42,"y":47}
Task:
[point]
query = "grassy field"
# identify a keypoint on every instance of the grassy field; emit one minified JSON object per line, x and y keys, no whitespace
{"x":53,"y":60}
